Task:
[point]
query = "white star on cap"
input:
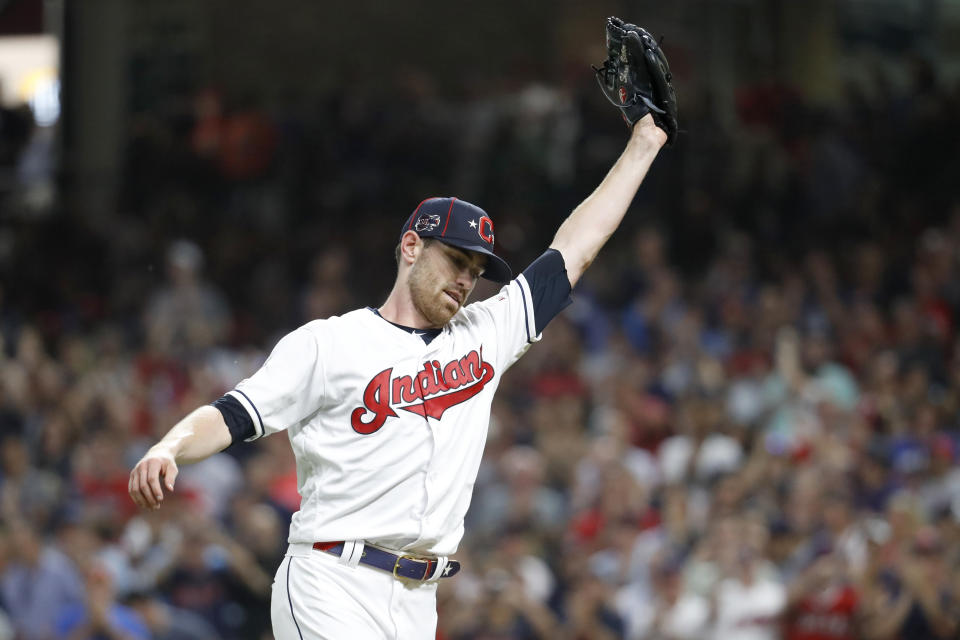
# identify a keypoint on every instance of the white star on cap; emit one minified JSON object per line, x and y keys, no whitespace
{"x":446,"y":570}
{"x":473,"y":224}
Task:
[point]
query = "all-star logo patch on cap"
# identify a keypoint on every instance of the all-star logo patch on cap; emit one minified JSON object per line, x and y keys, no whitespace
{"x":462,"y":225}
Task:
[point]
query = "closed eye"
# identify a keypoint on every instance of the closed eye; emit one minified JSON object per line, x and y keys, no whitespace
{"x":462,"y":261}
{"x":475,"y":271}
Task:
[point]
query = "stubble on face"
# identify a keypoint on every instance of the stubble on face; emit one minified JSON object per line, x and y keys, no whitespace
{"x":428,"y":280}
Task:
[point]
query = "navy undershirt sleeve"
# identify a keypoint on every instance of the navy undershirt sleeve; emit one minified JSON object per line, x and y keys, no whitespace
{"x":549,"y":285}
{"x":237,"y":419}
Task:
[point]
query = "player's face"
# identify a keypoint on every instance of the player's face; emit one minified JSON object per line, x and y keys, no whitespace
{"x":442,"y":279}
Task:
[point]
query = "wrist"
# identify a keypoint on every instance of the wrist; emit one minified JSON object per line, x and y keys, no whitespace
{"x":648,"y":134}
{"x":162,"y":450}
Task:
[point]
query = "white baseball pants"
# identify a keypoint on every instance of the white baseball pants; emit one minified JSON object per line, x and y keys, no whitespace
{"x":317,"y":596}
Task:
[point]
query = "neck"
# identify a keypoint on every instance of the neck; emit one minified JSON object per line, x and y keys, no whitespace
{"x":399,"y":308}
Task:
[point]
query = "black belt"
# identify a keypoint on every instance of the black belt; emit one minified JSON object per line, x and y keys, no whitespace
{"x":410,"y":567}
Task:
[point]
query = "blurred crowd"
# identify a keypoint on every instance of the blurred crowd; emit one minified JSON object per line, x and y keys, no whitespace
{"x":746,"y":426}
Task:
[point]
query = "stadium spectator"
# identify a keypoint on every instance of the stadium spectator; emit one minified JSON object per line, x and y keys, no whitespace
{"x":38,"y":579}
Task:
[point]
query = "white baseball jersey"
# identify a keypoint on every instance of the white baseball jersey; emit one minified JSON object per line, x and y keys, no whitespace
{"x":388,"y":430}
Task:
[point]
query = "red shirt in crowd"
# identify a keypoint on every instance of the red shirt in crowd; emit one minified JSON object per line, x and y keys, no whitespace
{"x":825,"y":615}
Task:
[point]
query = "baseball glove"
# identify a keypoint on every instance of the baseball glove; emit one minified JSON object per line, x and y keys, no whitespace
{"x":636,"y":78}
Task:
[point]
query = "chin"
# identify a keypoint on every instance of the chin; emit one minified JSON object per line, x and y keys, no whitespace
{"x":445,"y":312}
{"x":436,"y":307}
{"x":443,"y":316}
{"x":437,"y":314}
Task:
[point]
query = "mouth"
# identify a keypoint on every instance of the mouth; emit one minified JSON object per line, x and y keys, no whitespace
{"x":453,"y":295}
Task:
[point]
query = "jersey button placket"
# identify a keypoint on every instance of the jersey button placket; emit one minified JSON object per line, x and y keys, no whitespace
{"x":429,"y":475}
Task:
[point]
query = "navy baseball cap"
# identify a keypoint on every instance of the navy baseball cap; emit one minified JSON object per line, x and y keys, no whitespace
{"x":462,"y":225}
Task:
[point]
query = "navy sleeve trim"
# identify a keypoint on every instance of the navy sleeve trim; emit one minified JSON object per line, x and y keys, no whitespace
{"x":526,"y":316}
{"x":238,"y":420}
{"x":549,"y":287}
{"x":255,"y":410}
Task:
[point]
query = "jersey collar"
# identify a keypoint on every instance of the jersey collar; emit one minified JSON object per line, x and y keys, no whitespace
{"x":427,"y":335}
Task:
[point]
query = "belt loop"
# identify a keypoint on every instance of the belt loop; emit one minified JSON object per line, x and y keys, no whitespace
{"x":345,"y":553}
{"x":352,"y":552}
{"x":358,"y":552}
{"x":441,"y":562}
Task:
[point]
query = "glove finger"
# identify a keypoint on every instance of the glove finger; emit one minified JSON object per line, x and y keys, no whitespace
{"x":662,"y":59}
{"x":644,"y":35}
{"x":663,"y":93}
{"x":647,"y":76}
{"x":650,"y":44}
{"x":615,"y":34}
{"x":615,"y":21}
{"x":635,"y":48}
{"x":621,"y":25}
{"x":659,"y":77}
{"x":636,"y":59}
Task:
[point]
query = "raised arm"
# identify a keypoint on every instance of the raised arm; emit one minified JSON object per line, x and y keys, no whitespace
{"x":587,"y":229}
{"x":200,"y":435}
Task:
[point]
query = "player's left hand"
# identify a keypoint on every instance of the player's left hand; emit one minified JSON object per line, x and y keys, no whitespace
{"x":636,"y":77}
{"x":145,"y":486}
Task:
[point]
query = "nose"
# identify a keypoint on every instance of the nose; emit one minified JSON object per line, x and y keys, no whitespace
{"x":465,"y":279}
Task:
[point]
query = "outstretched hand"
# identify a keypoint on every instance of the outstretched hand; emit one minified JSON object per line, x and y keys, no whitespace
{"x":155,"y":471}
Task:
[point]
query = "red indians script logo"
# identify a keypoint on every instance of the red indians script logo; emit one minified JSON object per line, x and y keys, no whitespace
{"x":623,"y":95}
{"x":437,"y":387}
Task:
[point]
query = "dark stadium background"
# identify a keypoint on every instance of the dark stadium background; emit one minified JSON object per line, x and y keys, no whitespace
{"x":745,"y":427}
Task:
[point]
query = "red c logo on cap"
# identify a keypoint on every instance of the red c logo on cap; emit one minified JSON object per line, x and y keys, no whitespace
{"x":485,"y":229}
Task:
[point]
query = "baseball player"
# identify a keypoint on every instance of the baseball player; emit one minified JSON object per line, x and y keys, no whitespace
{"x":387,"y":408}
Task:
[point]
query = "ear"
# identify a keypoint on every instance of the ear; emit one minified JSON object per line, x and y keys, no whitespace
{"x":410,"y":247}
